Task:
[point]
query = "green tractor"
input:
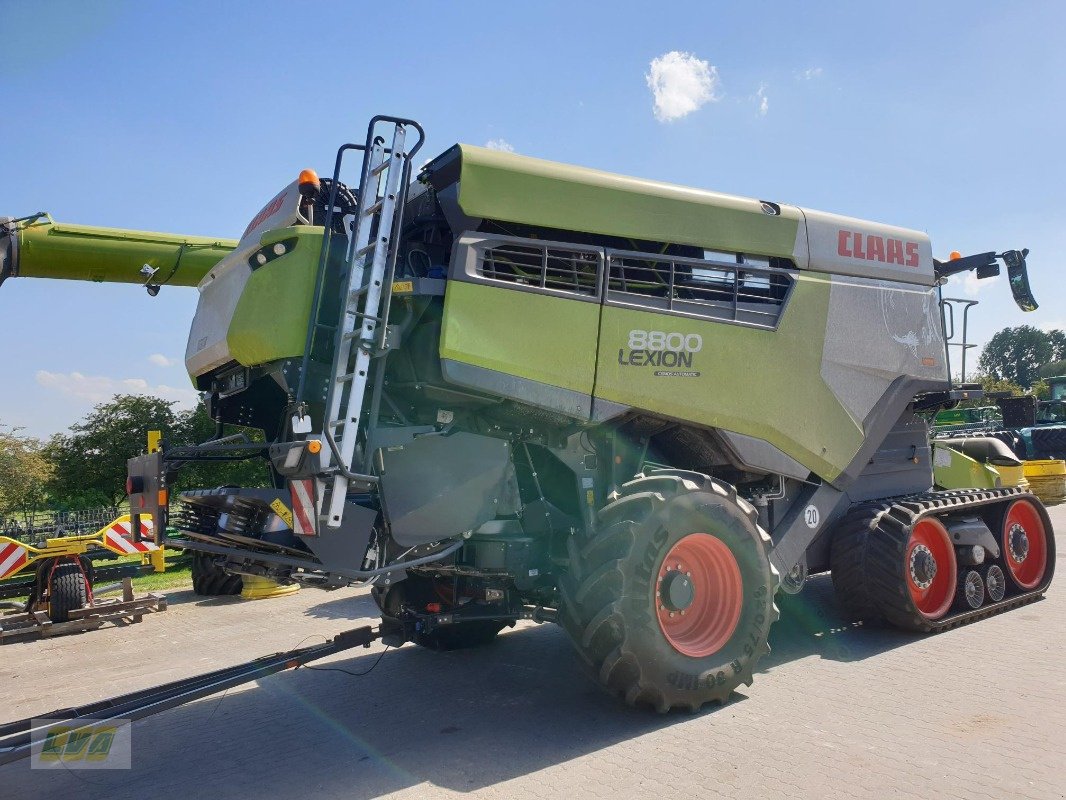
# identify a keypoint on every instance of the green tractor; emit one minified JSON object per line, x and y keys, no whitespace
{"x":508,"y":389}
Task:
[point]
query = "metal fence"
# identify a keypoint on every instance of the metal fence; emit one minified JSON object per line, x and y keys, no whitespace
{"x":45,"y":524}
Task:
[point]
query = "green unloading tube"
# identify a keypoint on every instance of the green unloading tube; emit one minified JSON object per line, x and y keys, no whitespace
{"x":38,"y":247}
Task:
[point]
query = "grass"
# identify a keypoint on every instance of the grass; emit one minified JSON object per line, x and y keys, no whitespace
{"x":178,"y":572}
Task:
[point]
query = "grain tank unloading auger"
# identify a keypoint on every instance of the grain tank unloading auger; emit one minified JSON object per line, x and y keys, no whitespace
{"x":514,"y":389}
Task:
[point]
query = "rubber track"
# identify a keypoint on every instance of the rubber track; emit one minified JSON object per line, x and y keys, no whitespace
{"x":868,"y":551}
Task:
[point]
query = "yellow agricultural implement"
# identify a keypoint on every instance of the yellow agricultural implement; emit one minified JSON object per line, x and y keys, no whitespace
{"x":61,"y":589}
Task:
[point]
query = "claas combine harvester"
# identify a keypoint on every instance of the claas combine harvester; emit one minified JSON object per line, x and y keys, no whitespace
{"x":499,"y":388}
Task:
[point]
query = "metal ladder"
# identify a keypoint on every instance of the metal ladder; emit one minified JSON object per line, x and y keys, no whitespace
{"x":370,"y":260}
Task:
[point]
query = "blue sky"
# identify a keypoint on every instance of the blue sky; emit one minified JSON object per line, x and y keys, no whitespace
{"x":947,"y":117}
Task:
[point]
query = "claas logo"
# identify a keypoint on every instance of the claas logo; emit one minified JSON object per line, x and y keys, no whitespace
{"x":87,"y":743}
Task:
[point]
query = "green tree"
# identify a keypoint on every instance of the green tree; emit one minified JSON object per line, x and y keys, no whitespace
{"x":1058,"y":344}
{"x":195,"y":427}
{"x":24,"y":474}
{"x":989,"y":386}
{"x":1053,"y":369}
{"x":90,"y":460}
{"x":1016,"y":354}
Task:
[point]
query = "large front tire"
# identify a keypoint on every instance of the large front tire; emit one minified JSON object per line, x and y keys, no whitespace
{"x":210,"y":580}
{"x":671,"y":602}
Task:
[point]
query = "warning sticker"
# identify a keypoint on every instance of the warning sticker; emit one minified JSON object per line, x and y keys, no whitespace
{"x":402,"y":287}
{"x":282,"y":511}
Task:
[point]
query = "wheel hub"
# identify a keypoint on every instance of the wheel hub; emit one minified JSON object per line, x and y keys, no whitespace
{"x":923,"y":566}
{"x":1019,"y":543}
{"x":677,"y":592}
{"x":699,"y":595}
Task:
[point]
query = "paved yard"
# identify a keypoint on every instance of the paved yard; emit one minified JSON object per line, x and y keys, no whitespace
{"x":836,"y":711}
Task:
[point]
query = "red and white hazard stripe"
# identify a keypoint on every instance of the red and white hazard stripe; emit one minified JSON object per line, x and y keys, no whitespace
{"x":12,"y":558}
{"x":123,"y":526}
{"x":303,"y":506}
{"x":118,"y":535}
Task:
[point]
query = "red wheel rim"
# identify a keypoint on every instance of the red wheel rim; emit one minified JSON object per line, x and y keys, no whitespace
{"x":699,"y":595}
{"x":931,"y":592}
{"x":1024,"y":543}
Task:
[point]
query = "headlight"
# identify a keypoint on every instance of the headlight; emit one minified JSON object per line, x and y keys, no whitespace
{"x":265,"y":255}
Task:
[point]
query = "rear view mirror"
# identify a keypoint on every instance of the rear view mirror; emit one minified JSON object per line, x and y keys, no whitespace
{"x":1018,"y":276}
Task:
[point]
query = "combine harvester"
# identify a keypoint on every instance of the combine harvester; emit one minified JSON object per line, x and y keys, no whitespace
{"x":511,"y":389}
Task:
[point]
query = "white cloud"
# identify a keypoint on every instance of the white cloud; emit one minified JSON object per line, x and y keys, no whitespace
{"x":762,"y":100}
{"x":810,"y":73}
{"x":100,"y":388}
{"x":681,"y":84}
{"x":161,"y":360}
{"x":968,"y":284}
{"x":500,"y":144}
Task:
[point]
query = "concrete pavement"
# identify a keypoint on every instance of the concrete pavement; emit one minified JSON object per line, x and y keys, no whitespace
{"x":835,"y":711}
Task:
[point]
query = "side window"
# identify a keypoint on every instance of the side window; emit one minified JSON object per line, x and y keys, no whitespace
{"x":748,"y":291}
{"x":555,"y":268}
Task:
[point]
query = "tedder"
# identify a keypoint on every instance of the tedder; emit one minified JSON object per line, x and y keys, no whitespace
{"x":505,"y":388}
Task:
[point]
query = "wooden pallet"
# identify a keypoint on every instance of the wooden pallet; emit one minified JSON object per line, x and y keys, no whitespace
{"x":127,"y":610}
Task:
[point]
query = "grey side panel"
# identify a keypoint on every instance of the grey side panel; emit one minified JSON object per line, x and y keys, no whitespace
{"x":875,"y":332}
{"x":208,"y":347}
{"x":901,"y":464}
{"x":438,"y":487}
{"x":564,"y":401}
{"x":887,"y":414}
{"x":895,"y":460}
{"x":793,"y":536}
{"x":603,"y":410}
{"x":344,"y":548}
{"x":760,"y":456}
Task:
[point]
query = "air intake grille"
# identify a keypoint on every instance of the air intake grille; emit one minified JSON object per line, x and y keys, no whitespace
{"x":542,"y":266}
{"x":741,"y":293}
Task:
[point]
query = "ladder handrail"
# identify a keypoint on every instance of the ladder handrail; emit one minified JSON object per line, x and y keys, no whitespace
{"x":328,"y":225}
{"x":357,"y":336}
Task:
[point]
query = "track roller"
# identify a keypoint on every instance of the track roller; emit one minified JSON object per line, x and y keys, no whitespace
{"x":995,"y":582}
{"x":971,"y":594}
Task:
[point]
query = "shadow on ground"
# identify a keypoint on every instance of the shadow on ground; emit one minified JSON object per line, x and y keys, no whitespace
{"x":811,"y":624}
{"x":347,"y":607}
{"x":460,"y":720}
